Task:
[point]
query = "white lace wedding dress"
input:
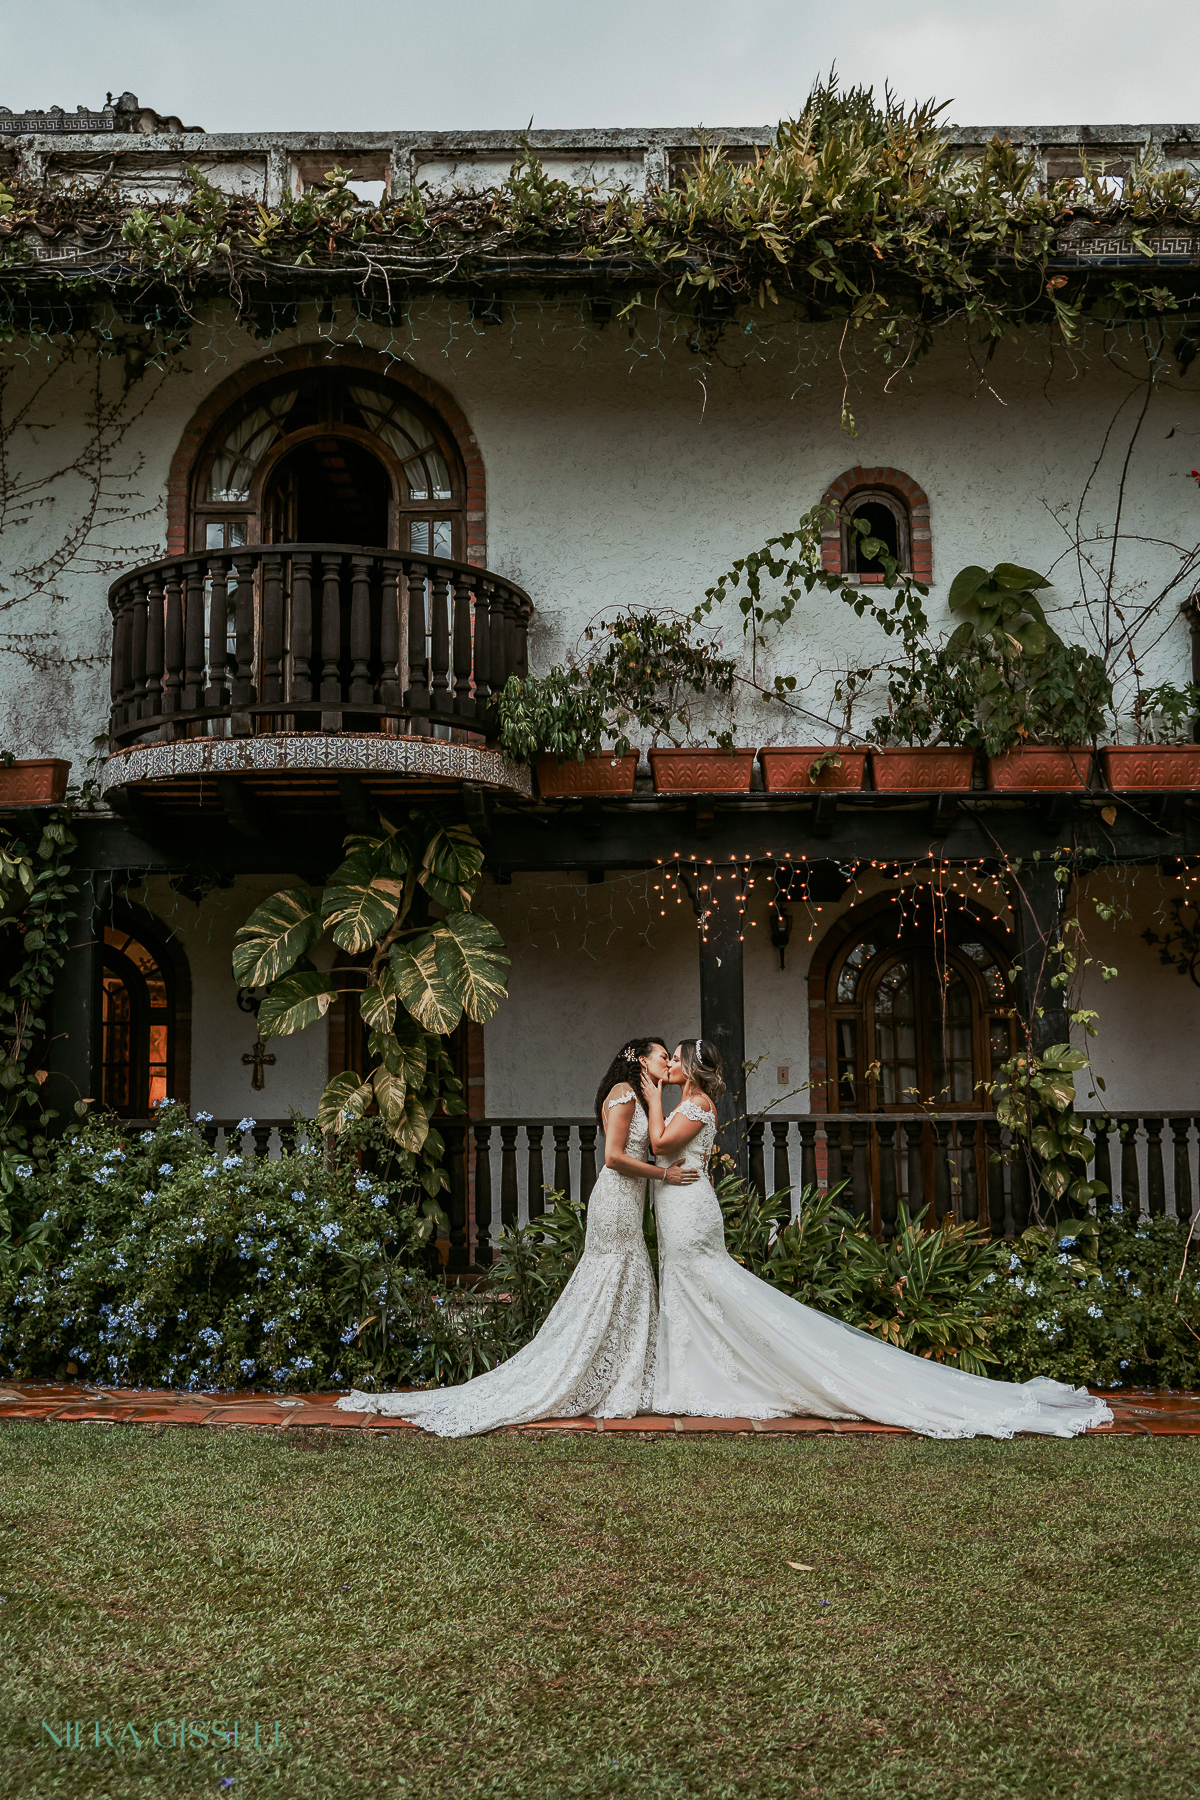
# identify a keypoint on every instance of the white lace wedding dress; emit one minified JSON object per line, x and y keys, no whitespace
{"x":732,"y":1346}
{"x":595,"y":1352}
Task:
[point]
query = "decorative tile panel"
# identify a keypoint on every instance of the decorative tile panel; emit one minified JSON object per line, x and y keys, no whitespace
{"x":421,"y":757}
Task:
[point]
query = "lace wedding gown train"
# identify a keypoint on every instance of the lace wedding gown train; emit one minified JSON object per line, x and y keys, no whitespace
{"x":595,"y":1351}
{"x":732,"y":1346}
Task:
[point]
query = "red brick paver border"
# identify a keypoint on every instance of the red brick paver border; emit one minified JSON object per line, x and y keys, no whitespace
{"x":1136,"y":1412}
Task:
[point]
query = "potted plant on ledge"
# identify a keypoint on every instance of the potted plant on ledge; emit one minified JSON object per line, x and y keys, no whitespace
{"x":1164,"y":755}
{"x":574,"y":721}
{"x":1004,"y":683}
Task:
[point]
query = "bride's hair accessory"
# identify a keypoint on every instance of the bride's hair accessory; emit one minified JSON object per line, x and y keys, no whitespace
{"x":700,"y":1051}
{"x":630,"y":1055}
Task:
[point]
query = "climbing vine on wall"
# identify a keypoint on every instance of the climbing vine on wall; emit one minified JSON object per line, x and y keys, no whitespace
{"x":857,"y":210}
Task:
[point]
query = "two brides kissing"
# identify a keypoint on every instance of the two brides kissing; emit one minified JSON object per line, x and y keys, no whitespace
{"x":714,"y":1341}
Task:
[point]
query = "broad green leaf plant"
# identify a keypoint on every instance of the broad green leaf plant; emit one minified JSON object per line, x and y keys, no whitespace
{"x":425,"y":970}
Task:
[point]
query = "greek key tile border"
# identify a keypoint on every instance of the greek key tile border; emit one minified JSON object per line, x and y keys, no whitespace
{"x":308,"y":751}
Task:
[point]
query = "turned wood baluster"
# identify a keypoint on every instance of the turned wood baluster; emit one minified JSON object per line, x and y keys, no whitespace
{"x":391,"y":680}
{"x":242,"y":690}
{"x":1183,"y":1169}
{"x":172,"y":639}
{"x":155,"y":627}
{"x":1131,"y":1181}
{"x":483,"y":1196}
{"x":362,"y":690}
{"x":885,"y":1133}
{"x":562,"y":1160}
{"x":140,"y":613}
{"x":781,"y":1168}
{"x":834,"y":1173}
{"x":272,"y":629}
{"x":262,"y":1142}
{"x":754,"y":1141}
{"x":301,"y":633}
{"x":941,"y":1169}
{"x":497,"y":639}
{"x":536,"y":1170}
{"x":193,"y":636}
{"x":808,"y":1153}
{"x":418,"y":681}
{"x":481,"y":655}
{"x":587,"y":1161}
{"x":916,"y":1165}
{"x":1156,"y":1184}
{"x":995,"y":1177}
{"x":331,"y":642}
{"x":968,"y":1191}
{"x":464,"y":699}
{"x":439,"y":649}
{"x":218,"y":604}
{"x":508,"y":1177}
{"x":455,"y":1133}
{"x":860,"y":1168}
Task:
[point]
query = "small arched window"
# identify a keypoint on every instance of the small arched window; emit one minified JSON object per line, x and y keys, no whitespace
{"x":887,"y":522}
{"x":895,"y":512}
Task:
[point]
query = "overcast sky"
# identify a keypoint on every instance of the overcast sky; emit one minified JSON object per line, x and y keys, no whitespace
{"x":355,"y":65}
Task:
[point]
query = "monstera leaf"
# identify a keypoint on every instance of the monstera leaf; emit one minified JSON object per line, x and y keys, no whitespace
{"x":275,"y":936}
{"x":390,"y":1095}
{"x":362,"y":899}
{"x":413,"y":1128}
{"x":422,"y":987}
{"x":449,"y":872}
{"x":465,"y":950}
{"x":377,"y":1002}
{"x":294,"y":1002}
{"x":346,"y":1097}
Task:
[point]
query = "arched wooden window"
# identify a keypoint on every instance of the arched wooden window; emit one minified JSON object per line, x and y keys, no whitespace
{"x":145,"y":1013}
{"x":330,"y":456}
{"x":917,"y":1009}
{"x":894,"y":510}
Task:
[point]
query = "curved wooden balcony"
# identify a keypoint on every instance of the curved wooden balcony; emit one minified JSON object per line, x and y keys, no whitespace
{"x":277,"y":638}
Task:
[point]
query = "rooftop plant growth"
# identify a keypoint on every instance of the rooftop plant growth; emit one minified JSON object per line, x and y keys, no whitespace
{"x":858,"y":210}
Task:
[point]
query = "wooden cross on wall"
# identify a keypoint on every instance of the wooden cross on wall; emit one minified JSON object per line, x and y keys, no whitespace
{"x":259,"y":1057}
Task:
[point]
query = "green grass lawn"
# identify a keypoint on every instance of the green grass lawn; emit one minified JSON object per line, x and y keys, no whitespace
{"x":582,"y":1615}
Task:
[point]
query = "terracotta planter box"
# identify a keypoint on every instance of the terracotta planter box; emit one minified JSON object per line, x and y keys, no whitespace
{"x":1041,"y":766}
{"x":594,"y":775}
{"x":702,"y":771}
{"x":919,"y":769}
{"x":39,"y":782}
{"x":785,"y":770}
{"x":1151,"y":766}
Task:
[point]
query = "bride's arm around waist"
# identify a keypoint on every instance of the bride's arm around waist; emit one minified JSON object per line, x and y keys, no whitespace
{"x":618,"y":1116}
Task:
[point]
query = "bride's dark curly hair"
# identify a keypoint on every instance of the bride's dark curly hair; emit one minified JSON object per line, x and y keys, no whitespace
{"x":624,"y":1069}
{"x":701,"y":1063}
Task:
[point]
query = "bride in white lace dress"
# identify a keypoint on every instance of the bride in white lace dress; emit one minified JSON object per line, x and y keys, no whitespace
{"x":732,"y":1346}
{"x":595,"y":1351}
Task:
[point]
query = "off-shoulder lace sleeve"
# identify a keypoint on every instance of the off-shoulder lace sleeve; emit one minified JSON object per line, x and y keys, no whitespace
{"x":622,"y":1097}
{"x":691,"y":1109}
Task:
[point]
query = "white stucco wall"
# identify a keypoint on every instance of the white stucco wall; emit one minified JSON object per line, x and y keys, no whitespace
{"x":221,"y":1033}
{"x":619,"y":472}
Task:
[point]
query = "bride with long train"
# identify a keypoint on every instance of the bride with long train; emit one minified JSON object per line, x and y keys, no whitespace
{"x":732,"y":1346}
{"x":595,"y":1352}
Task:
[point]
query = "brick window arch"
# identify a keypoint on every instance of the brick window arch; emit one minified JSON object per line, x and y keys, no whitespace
{"x":305,"y":368}
{"x":895,"y":509}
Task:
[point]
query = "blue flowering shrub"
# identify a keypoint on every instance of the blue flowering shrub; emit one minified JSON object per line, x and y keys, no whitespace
{"x":164,"y":1263}
{"x":1107,"y":1302}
